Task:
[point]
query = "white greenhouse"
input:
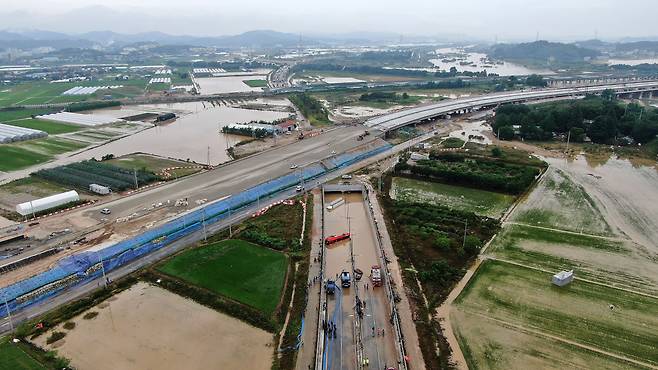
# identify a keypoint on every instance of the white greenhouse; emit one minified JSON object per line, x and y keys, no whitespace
{"x":42,"y":204}
{"x":10,"y":133}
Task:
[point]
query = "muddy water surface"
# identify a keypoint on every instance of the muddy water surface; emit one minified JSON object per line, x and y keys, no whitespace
{"x":191,"y":136}
{"x":627,"y":194}
{"x":147,"y":327}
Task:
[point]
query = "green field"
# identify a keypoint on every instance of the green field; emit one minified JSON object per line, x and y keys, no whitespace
{"x":607,"y":260}
{"x":51,"y":146}
{"x":14,"y":158}
{"x":525,"y":299}
{"x":239,"y":270}
{"x":482,"y":202}
{"x":52,"y":128}
{"x":256,"y":83}
{"x":28,"y":153}
{"x":43,"y":92}
{"x":15,"y":114}
{"x":12,"y":357}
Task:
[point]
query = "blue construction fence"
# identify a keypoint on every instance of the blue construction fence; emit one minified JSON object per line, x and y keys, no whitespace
{"x":85,"y":266}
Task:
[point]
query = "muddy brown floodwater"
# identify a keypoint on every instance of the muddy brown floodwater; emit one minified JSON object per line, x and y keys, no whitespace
{"x":628,"y":195}
{"x":188,"y":137}
{"x":147,"y":327}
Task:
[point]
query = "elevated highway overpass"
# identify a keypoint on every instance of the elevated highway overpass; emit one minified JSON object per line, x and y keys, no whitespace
{"x":410,"y":116}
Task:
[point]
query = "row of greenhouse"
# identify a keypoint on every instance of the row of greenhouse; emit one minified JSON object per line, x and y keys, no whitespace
{"x":10,"y":134}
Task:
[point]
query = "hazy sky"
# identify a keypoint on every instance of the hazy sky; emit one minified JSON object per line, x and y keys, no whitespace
{"x":485,"y":19}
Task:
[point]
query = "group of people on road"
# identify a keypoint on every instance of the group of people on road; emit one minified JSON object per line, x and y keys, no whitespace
{"x":380,"y":332}
{"x":329,"y":328}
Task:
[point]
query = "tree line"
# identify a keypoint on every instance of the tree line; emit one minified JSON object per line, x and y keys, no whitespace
{"x":310,"y":107}
{"x":602,"y":119}
{"x":475,"y":172}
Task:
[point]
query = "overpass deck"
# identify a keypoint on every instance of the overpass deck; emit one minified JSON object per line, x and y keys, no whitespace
{"x":405,"y":117}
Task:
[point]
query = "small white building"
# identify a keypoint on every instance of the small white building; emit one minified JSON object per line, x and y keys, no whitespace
{"x":99,"y":189}
{"x":563,"y":278}
{"x":419,"y":156}
{"x":42,"y":204}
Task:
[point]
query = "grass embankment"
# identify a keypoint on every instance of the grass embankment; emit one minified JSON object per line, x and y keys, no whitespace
{"x":153,"y":164}
{"x":240,"y":270}
{"x":481,"y":202}
{"x":452,"y":142}
{"x":580,"y":312}
{"x":255,"y":83}
{"x":311,"y":108}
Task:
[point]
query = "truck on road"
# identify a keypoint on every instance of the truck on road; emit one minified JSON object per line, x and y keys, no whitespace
{"x":376,"y":275}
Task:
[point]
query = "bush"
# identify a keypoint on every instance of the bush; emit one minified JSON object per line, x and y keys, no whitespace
{"x":442,"y":242}
{"x":55,"y":336}
{"x":69,"y":325}
{"x":472,"y":245}
{"x":90,"y":315}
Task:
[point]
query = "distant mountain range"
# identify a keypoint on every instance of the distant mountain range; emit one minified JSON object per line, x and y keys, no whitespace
{"x":37,"y":38}
{"x":259,"y":39}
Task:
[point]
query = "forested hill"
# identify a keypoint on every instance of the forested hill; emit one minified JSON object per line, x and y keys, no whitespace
{"x":542,"y":51}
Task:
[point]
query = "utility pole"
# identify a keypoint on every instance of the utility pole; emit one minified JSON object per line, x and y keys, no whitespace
{"x":464,"y":241}
{"x":568,"y":139}
{"x":135,"y":175}
{"x":11,"y":323}
{"x":208,"y":156}
{"x":32,"y":209}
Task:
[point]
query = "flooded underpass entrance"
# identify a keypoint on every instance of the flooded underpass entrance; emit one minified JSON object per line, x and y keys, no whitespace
{"x":362,"y":336}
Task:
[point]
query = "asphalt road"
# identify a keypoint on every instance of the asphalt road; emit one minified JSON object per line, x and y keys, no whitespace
{"x":239,"y":175}
{"x":220,"y":182}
